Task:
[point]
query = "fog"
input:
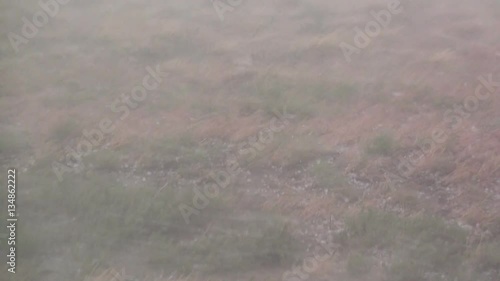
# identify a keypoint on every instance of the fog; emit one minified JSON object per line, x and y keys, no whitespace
{"x":250,"y":140}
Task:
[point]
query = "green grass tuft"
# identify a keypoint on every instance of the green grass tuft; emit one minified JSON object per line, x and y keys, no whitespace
{"x":383,"y":144}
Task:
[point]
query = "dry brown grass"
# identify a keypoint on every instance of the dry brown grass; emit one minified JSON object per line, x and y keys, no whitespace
{"x":405,"y":80}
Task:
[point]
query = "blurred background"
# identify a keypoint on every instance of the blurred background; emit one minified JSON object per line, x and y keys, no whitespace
{"x":250,"y":140}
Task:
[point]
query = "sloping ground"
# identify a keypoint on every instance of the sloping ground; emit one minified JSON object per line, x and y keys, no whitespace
{"x":399,"y":127}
